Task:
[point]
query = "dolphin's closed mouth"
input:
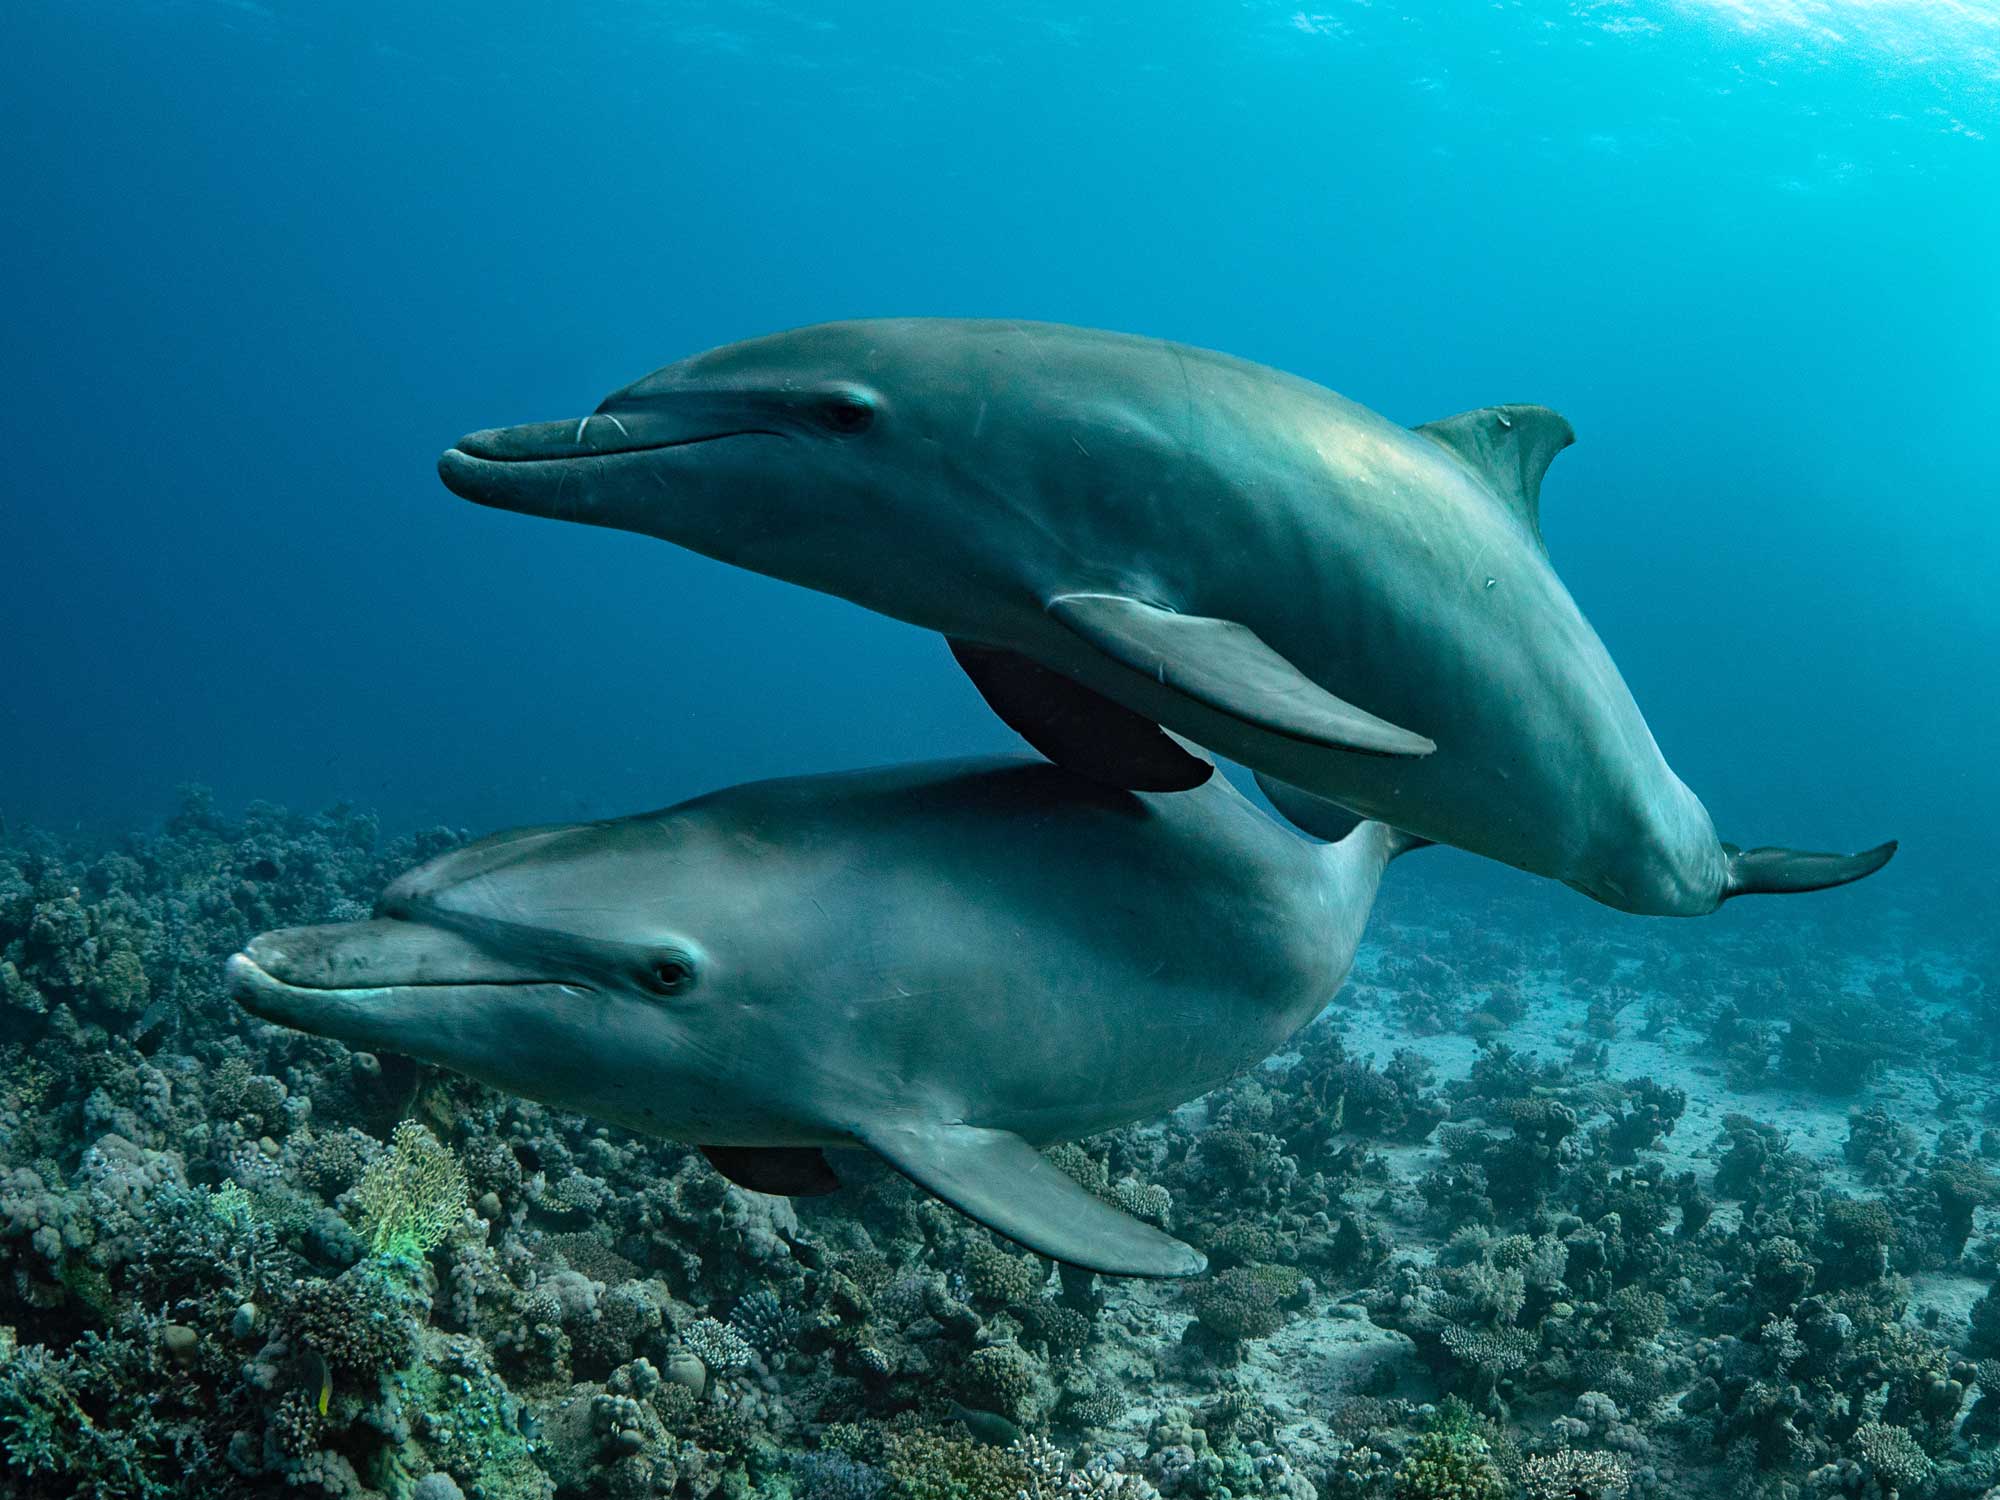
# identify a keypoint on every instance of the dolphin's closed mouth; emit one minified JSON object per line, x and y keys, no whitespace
{"x":394,"y":1014}
{"x":264,"y":994}
{"x":615,"y":450}
{"x":600,"y":435}
{"x":473,"y":468}
{"x":243,"y":973}
{"x":342,"y":974}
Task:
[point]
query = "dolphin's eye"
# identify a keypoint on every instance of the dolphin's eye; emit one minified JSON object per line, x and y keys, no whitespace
{"x":847,"y":413}
{"x":669,"y":974}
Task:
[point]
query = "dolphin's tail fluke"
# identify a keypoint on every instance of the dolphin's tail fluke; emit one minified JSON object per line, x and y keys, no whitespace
{"x":1326,"y":820}
{"x":1785,"y":872}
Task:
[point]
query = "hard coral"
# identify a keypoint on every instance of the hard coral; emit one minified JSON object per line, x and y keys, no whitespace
{"x":361,"y":1323}
{"x":1449,"y":1465}
{"x":1003,"y":1379}
{"x":1001,"y":1278}
{"x":1575,"y":1474}
{"x":929,"y":1466}
{"x":1244,"y":1302}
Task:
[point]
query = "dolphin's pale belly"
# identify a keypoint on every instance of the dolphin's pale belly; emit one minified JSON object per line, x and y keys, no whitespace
{"x":1098,"y":1060}
{"x":1057,"y":975}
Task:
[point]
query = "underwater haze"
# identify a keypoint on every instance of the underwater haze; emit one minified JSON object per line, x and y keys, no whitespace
{"x":269,"y":260}
{"x":919,"y":1134}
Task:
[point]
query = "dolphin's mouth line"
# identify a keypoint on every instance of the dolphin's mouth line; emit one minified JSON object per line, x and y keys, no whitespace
{"x":259,"y":974}
{"x":620,"y":452}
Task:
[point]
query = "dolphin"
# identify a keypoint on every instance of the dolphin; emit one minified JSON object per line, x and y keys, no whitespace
{"x":949,"y":964}
{"x":1119,"y":533}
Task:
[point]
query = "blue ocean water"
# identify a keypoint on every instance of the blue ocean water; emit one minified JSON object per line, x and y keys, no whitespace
{"x":267,"y":259}
{"x":316,"y":1190}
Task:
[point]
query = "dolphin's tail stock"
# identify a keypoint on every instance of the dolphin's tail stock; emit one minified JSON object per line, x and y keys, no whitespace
{"x":1328,"y":820}
{"x":1402,"y":841}
{"x":1785,"y":872}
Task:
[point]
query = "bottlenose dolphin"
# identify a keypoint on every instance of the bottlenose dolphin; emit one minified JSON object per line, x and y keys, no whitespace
{"x":949,"y":964}
{"x":1118,"y":533}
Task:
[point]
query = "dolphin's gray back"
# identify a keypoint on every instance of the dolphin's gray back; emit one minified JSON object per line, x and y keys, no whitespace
{"x":1352,"y":545}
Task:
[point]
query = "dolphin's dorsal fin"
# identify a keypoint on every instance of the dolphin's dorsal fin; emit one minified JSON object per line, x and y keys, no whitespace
{"x":1225,"y":667}
{"x":999,"y":1179}
{"x":1510,"y":447}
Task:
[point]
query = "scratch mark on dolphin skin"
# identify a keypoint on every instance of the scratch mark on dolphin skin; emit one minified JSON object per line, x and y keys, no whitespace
{"x":1187,"y":389}
{"x":1079,"y":445}
{"x":615,"y":423}
{"x":979,"y":421}
{"x":579,"y":429}
{"x":903,"y":992}
{"x":1032,"y":340}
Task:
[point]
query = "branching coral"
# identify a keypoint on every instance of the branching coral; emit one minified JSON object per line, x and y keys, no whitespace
{"x":1491,"y":1354}
{"x":102,"y":1421}
{"x":767,"y":1322}
{"x":1893,"y":1457}
{"x":828,"y":1475}
{"x":1575,"y":1474}
{"x":1051,"y":1476}
{"x":718,"y":1346}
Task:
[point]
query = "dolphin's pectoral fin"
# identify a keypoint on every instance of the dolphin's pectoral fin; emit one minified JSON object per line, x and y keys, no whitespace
{"x":1511,"y":448}
{"x":1784,"y":872}
{"x":999,"y":1179}
{"x":1078,"y":729}
{"x":1225,"y":667}
{"x":783,"y":1171}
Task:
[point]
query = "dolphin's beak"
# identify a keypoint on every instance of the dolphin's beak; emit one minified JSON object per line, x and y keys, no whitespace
{"x":526,"y":468}
{"x":535,"y":467}
{"x":351,"y":979}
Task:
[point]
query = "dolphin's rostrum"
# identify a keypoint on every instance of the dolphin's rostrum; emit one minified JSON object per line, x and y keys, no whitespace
{"x":1118,"y":533}
{"x":949,"y":964}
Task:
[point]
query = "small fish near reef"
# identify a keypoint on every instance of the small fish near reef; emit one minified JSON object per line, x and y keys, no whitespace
{"x":949,"y":964}
{"x":1119,"y":533}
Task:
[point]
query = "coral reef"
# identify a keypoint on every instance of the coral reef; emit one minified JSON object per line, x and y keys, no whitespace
{"x":1545,"y":1205}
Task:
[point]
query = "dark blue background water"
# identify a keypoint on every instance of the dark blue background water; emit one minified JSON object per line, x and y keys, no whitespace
{"x":264,"y":262}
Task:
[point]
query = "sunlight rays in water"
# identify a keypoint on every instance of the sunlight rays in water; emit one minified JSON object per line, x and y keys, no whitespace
{"x":1961,"y":33}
